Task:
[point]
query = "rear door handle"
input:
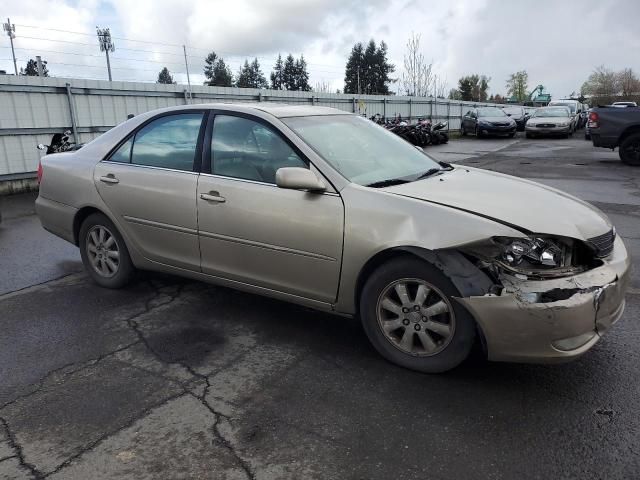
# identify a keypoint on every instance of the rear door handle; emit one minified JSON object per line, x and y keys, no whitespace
{"x":109,"y":179}
{"x":212,"y":197}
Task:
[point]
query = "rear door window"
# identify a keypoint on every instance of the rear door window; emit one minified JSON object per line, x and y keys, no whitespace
{"x":168,"y":142}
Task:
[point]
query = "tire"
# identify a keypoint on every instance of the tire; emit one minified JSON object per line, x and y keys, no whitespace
{"x":445,"y":138}
{"x":448,"y":348}
{"x":587,"y":136}
{"x":528,"y":135}
{"x":477,"y":132}
{"x":102,"y":247}
{"x":511,"y":135}
{"x":463,"y":132}
{"x":630,"y":150}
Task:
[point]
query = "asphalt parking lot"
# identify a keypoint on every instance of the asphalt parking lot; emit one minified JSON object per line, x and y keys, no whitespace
{"x":178,"y":379}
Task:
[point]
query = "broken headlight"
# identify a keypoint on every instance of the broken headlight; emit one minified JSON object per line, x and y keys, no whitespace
{"x":533,"y":252}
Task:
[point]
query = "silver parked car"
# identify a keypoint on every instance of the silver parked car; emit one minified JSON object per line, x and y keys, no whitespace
{"x":326,"y":209}
{"x":556,"y":121}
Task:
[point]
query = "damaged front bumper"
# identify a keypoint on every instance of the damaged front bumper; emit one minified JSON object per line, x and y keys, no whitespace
{"x":552,"y":320}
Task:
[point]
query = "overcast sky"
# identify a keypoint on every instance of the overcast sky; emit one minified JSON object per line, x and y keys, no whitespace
{"x":557,"y":42}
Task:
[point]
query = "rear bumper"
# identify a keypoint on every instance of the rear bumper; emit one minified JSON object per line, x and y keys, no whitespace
{"x":603,"y":141}
{"x":551,"y":321}
{"x":56,"y":217}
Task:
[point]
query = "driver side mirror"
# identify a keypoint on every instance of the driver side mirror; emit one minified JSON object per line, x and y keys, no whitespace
{"x":297,"y":178}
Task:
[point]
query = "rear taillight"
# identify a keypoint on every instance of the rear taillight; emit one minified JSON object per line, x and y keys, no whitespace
{"x":593,"y":120}
{"x":39,"y":173}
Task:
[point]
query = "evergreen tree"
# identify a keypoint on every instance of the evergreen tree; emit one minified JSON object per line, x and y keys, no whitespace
{"x":31,"y":69}
{"x":354,"y":70}
{"x":302,"y":76}
{"x":210,"y":63}
{"x":222,"y":76}
{"x":289,"y":73}
{"x":165,"y":76}
{"x":216,"y":71}
{"x":277,"y":74}
{"x":367,"y":70}
{"x":250,"y":76}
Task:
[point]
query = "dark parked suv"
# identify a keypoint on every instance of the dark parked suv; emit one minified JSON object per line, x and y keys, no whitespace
{"x":519,"y":114}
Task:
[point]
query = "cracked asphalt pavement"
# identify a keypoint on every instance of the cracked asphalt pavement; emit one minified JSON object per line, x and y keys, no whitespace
{"x":171,"y":378}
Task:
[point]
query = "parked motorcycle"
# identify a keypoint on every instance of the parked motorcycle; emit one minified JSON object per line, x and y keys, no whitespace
{"x":60,"y":143}
{"x":438,"y":131}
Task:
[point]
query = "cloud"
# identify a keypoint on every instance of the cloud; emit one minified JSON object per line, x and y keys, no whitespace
{"x":558,"y":43}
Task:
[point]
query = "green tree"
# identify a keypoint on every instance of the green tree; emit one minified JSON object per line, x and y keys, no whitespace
{"x":518,"y":85}
{"x":250,"y":76}
{"x":367,"y":70}
{"x":289,"y":73}
{"x":473,"y":88}
{"x":165,"y":76}
{"x":465,"y":88}
{"x":216,"y":71}
{"x":301,"y":75}
{"x":31,"y":69}
{"x":276,"y":74}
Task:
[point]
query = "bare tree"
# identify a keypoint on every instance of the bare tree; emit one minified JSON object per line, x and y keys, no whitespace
{"x":322,"y":87}
{"x":417,"y":77}
{"x":439,"y":87}
{"x":628,"y":82}
{"x":518,"y":85}
{"x":602,"y":84}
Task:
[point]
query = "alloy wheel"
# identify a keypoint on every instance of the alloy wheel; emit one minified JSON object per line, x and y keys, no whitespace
{"x":415,"y":317}
{"x":103,"y":251}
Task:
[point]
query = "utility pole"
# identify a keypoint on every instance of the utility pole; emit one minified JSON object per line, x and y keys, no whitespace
{"x":106,"y":45}
{"x":186,"y":64}
{"x":11,"y":32}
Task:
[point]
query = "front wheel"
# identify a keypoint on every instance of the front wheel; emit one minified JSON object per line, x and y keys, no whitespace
{"x":463,"y":132}
{"x":104,"y":253}
{"x":630,"y":150}
{"x":409,"y":314}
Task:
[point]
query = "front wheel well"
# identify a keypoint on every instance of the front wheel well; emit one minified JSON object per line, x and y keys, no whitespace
{"x":80,"y":217}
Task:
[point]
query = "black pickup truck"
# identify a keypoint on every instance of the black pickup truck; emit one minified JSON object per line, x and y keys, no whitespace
{"x":612,"y":127}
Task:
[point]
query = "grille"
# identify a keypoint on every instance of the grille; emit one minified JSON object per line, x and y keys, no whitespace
{"x":546,"y":125}
{"x":500,"y":124}
{"x":603,"y":243}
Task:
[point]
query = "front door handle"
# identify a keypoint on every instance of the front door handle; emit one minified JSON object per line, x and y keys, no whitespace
{"x":212,"y":197}
{"x":109,"y":179}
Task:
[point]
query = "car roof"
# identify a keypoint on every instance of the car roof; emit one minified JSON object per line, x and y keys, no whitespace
{"x":276,"y":109}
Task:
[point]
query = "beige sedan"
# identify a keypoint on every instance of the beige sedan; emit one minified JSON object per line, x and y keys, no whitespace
{"x":326,"y":209}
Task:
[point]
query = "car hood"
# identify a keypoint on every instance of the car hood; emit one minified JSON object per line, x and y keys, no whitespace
{"x":520,"y":203}
{"x":494,"y":119}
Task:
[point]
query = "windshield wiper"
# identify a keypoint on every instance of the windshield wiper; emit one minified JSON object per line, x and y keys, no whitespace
{"x":388,"y":183}
{"x":428,"y":173}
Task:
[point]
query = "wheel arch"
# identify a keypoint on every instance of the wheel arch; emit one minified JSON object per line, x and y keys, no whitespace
{"x":466,"y":277}
{"x":628,"y":132}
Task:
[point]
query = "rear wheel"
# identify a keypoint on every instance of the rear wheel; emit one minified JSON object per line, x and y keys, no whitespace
{"x":408,"y":312}
{"x":477,"y":132}
{"x":630,"y":150}
{"x":463,"y":132}
{"x":104,"y":253}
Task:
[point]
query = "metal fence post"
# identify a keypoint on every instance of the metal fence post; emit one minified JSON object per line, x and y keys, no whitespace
{"x":410,"y":110}
{"x":384,"y":108}
{"x":72,"y":113}
{"x":354,"y":105}
{"x":186,"y":97}
{"x":259,"y":96}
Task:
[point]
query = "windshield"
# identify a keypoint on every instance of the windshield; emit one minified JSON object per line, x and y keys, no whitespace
{"x":572,"y":106}
{"x":360,"y":150}
{"x":514,"y":110}
{"x":552,"y":112}
{"x":491,"y":112}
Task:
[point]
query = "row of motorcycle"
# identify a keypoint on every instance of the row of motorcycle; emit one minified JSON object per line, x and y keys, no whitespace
{"x":420,"y":134}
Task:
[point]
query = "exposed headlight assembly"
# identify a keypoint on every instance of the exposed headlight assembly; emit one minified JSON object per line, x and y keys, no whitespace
{"x":536,"y":256}
{"x":538,"y":252}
